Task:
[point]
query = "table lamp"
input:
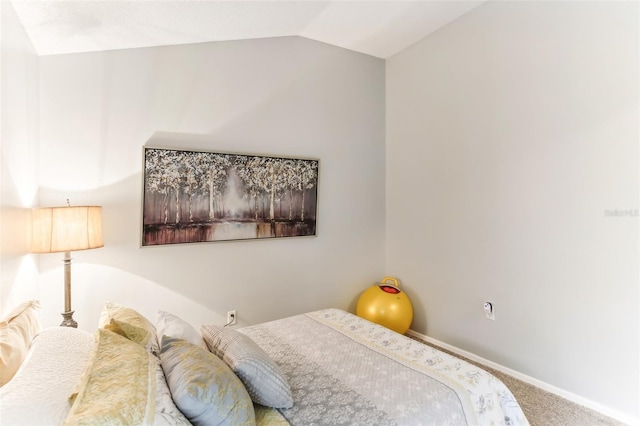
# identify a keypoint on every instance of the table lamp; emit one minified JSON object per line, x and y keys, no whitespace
{"x":66,"y":229}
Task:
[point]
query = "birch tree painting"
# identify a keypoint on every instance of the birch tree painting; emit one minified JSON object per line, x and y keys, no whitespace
{"x":192,"y":196}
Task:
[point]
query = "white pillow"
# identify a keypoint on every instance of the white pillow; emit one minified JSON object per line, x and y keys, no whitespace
{"x":168,"y":324}
{"x":17,"y":330}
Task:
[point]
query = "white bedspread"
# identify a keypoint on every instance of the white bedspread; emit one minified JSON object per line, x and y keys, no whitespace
{"x":57,"y":356}
{"x":344,"y":370}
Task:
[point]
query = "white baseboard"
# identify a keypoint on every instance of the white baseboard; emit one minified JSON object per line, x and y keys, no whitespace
{"x":621,"y":417}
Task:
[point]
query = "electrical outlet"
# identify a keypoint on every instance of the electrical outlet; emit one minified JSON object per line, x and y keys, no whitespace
{"x":232,"y":317}
{"x":489,"y":312}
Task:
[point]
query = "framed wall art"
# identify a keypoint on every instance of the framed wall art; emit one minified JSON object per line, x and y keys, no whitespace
{"x":195,"y":196}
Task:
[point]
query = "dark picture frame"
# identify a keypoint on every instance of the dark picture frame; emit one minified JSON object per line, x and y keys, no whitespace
{"x":205,"y":196}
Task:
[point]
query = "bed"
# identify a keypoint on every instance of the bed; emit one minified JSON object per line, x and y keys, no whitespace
{"x":327,"y":367}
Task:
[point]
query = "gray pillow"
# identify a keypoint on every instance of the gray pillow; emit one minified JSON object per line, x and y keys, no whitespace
{"x":203,"y":387}
{"x":262,"y":377}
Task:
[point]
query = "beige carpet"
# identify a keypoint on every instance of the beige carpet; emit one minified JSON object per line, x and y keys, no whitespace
{"x":543,"y":408}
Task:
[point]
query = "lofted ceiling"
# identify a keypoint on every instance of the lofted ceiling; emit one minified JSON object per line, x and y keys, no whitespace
{"x":377,"y":28}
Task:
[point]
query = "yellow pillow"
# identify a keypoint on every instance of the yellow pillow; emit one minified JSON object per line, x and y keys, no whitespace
{"x":138,"y":335}
{"x":17,"y":330}
{"x":118,"y":387}
{"x":267,"y":416}
{"x":130,"y":324}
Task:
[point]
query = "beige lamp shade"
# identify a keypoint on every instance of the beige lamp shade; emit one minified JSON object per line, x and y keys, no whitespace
{"x":64,"y":229}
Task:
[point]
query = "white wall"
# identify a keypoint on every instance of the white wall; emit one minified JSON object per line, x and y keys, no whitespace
{"x":510,"y":133}
{"x":18,"y":154}
{"x":284,"y":96}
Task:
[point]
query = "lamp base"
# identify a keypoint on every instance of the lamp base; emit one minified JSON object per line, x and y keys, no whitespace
{"x":68,"y":320}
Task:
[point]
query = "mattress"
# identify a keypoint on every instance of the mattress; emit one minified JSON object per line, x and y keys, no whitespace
{"x":344,"y":370}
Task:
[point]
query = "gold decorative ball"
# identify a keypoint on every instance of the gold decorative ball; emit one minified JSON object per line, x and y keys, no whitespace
{"x":386,"y":305}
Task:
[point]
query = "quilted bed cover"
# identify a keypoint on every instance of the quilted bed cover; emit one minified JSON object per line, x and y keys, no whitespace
{"x":344,"y":370}
{"x":39,"y":392}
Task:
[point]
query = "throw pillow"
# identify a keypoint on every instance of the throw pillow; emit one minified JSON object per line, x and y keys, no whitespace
{"x":263,"y":378}
{"x":17,"y":330}
{"x":203,"y":387}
